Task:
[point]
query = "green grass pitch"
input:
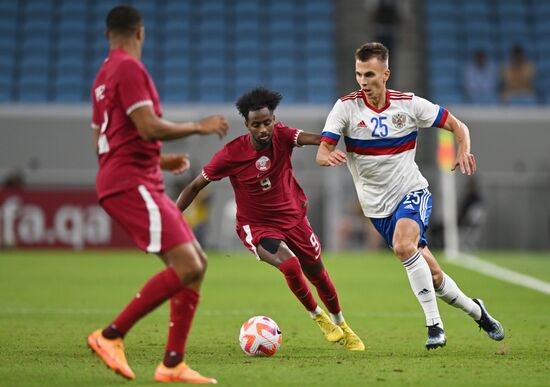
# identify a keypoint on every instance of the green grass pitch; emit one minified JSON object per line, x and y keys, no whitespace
{"x":50,"y":301}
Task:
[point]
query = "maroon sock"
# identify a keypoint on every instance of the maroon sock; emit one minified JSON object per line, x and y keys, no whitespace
{"x":182,"y":310}
{"x":157,"y":290}
{"x":326,"y":290}
{"x":297,"y":283}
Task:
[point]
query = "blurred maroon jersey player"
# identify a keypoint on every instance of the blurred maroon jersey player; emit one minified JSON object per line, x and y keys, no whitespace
{"x":128,"y":131}
{"x":272,"y":207}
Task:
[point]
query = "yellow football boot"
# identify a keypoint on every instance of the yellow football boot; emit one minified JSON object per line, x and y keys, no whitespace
{"x":331,"y":331}
{"x":350,"y":340}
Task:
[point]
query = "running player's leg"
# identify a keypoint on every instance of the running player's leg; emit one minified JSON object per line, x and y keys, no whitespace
{"x":405,"y":246}
{"x":278,"y":254}
{"x":404,"y":231}
{"x":448,"y":291}
{"x":189,"y":262}
{"x":140,"y":212}
{"x":305,"y":244}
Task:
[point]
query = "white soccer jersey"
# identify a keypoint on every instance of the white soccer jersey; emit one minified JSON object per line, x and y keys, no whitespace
{"x":381,"y":145}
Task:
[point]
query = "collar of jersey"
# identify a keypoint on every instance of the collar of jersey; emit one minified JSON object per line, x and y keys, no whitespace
{"x":387,"y":105}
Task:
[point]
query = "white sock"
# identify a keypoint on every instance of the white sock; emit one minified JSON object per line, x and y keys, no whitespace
{"x":420,"y":279}
{"x":452,"y":295}
{"x":337,"y":318}
{"x":315,"y":312}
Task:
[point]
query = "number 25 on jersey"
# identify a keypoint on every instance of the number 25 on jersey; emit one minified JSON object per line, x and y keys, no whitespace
{"x":380,"y":127}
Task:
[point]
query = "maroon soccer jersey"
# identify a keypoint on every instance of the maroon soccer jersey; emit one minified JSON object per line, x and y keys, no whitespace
{"x":125,"y":159}
{"x":266,"y":190}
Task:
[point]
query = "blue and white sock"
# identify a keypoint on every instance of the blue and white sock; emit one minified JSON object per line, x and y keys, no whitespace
{"x":420,"y":279}
{"x":449,"y":292}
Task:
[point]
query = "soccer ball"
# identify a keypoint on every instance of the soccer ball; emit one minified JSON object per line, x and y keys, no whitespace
{"x":260,"y":336}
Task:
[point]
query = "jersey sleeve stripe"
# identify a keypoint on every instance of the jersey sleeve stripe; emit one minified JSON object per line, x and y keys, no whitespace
{"x":137,"y":105}
{"x":330,"y":138}
{"x":298,"y":131}
{"x":205,"y":175}
{"x":441,"y":118}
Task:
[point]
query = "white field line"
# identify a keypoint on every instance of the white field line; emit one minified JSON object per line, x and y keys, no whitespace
{"x":492,"y":270}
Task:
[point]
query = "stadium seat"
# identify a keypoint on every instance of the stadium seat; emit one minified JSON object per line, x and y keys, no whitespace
{"x":247,"y":27}
{"x":186,"y":42}
{"x":511,"y":9}
{"x":179,"y":7}
{"x":69,"y":90}
{"x":281,"y":9}
{"x":321,"y":94}
{"x":33,"y":88}
{"x":435,"y":9}
{"x":283,"y":47}
{"x":8,"y":26}
{"x":8,"y":9}
{"x":247,"y":45}
{"x":475,"y":9}
{"x":73,"y":8}
{"x":446,"y":97}
{"x":176,"y":91}
{"x":5,"y":90}
{"x":319,"y":9}
{"x":245,"y":9}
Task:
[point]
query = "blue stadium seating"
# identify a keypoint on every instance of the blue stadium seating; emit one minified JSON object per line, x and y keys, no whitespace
{"x":59,"y":46}
{"x":456,"y":29}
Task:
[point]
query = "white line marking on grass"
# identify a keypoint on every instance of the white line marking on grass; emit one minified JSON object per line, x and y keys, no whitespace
{"x":492,"y":270}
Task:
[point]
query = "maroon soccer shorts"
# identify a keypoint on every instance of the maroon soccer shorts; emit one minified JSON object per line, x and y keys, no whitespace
{"x":300,"y":239}
{"x":150,"y":217}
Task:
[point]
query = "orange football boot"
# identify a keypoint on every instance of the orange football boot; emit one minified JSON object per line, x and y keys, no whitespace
{"x":111,"y":352}
{"x":181,"y":373}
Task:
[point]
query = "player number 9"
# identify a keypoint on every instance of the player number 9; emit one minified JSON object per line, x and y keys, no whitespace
{"x":266,"y":184}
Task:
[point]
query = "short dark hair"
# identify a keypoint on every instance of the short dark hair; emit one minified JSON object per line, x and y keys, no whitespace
{"x":256,"y":99}
{"x":372,"y":50}
{"x":123,"y":19}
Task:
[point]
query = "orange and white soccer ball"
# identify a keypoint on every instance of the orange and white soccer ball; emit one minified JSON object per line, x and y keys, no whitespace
{"x":260,"y":336}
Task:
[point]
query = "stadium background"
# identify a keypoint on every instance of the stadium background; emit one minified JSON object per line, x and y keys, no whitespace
{"x":204,"y":54}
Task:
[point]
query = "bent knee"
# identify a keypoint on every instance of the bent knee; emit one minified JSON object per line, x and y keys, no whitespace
{"x":404,"y":250}
{"x":190,"y":271}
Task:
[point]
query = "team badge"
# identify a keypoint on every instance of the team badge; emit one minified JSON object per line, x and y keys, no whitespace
{"x":399,"y":120}
{"x":263,"y":164}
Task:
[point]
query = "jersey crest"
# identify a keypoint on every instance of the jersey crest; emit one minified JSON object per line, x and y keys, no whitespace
{"x":263,"y":164}
{"x":399,"y":120}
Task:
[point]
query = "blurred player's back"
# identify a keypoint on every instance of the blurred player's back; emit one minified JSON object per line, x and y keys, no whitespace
{"x":125,"y":159}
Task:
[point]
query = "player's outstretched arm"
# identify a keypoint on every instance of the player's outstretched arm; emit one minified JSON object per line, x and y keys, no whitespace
{"x":329,"y":156}
{"x":177,"y":164}
{"x":191,"y":191}
{"x":464,"y":159}
{"x":151,"y":127}
{"x":308,"y":138}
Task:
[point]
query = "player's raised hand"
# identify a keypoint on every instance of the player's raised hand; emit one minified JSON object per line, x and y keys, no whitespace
{"x":177,"y":164}
{"x":214,"y":125}
{"x":466,"y":162}
{"x":336,"y":157}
